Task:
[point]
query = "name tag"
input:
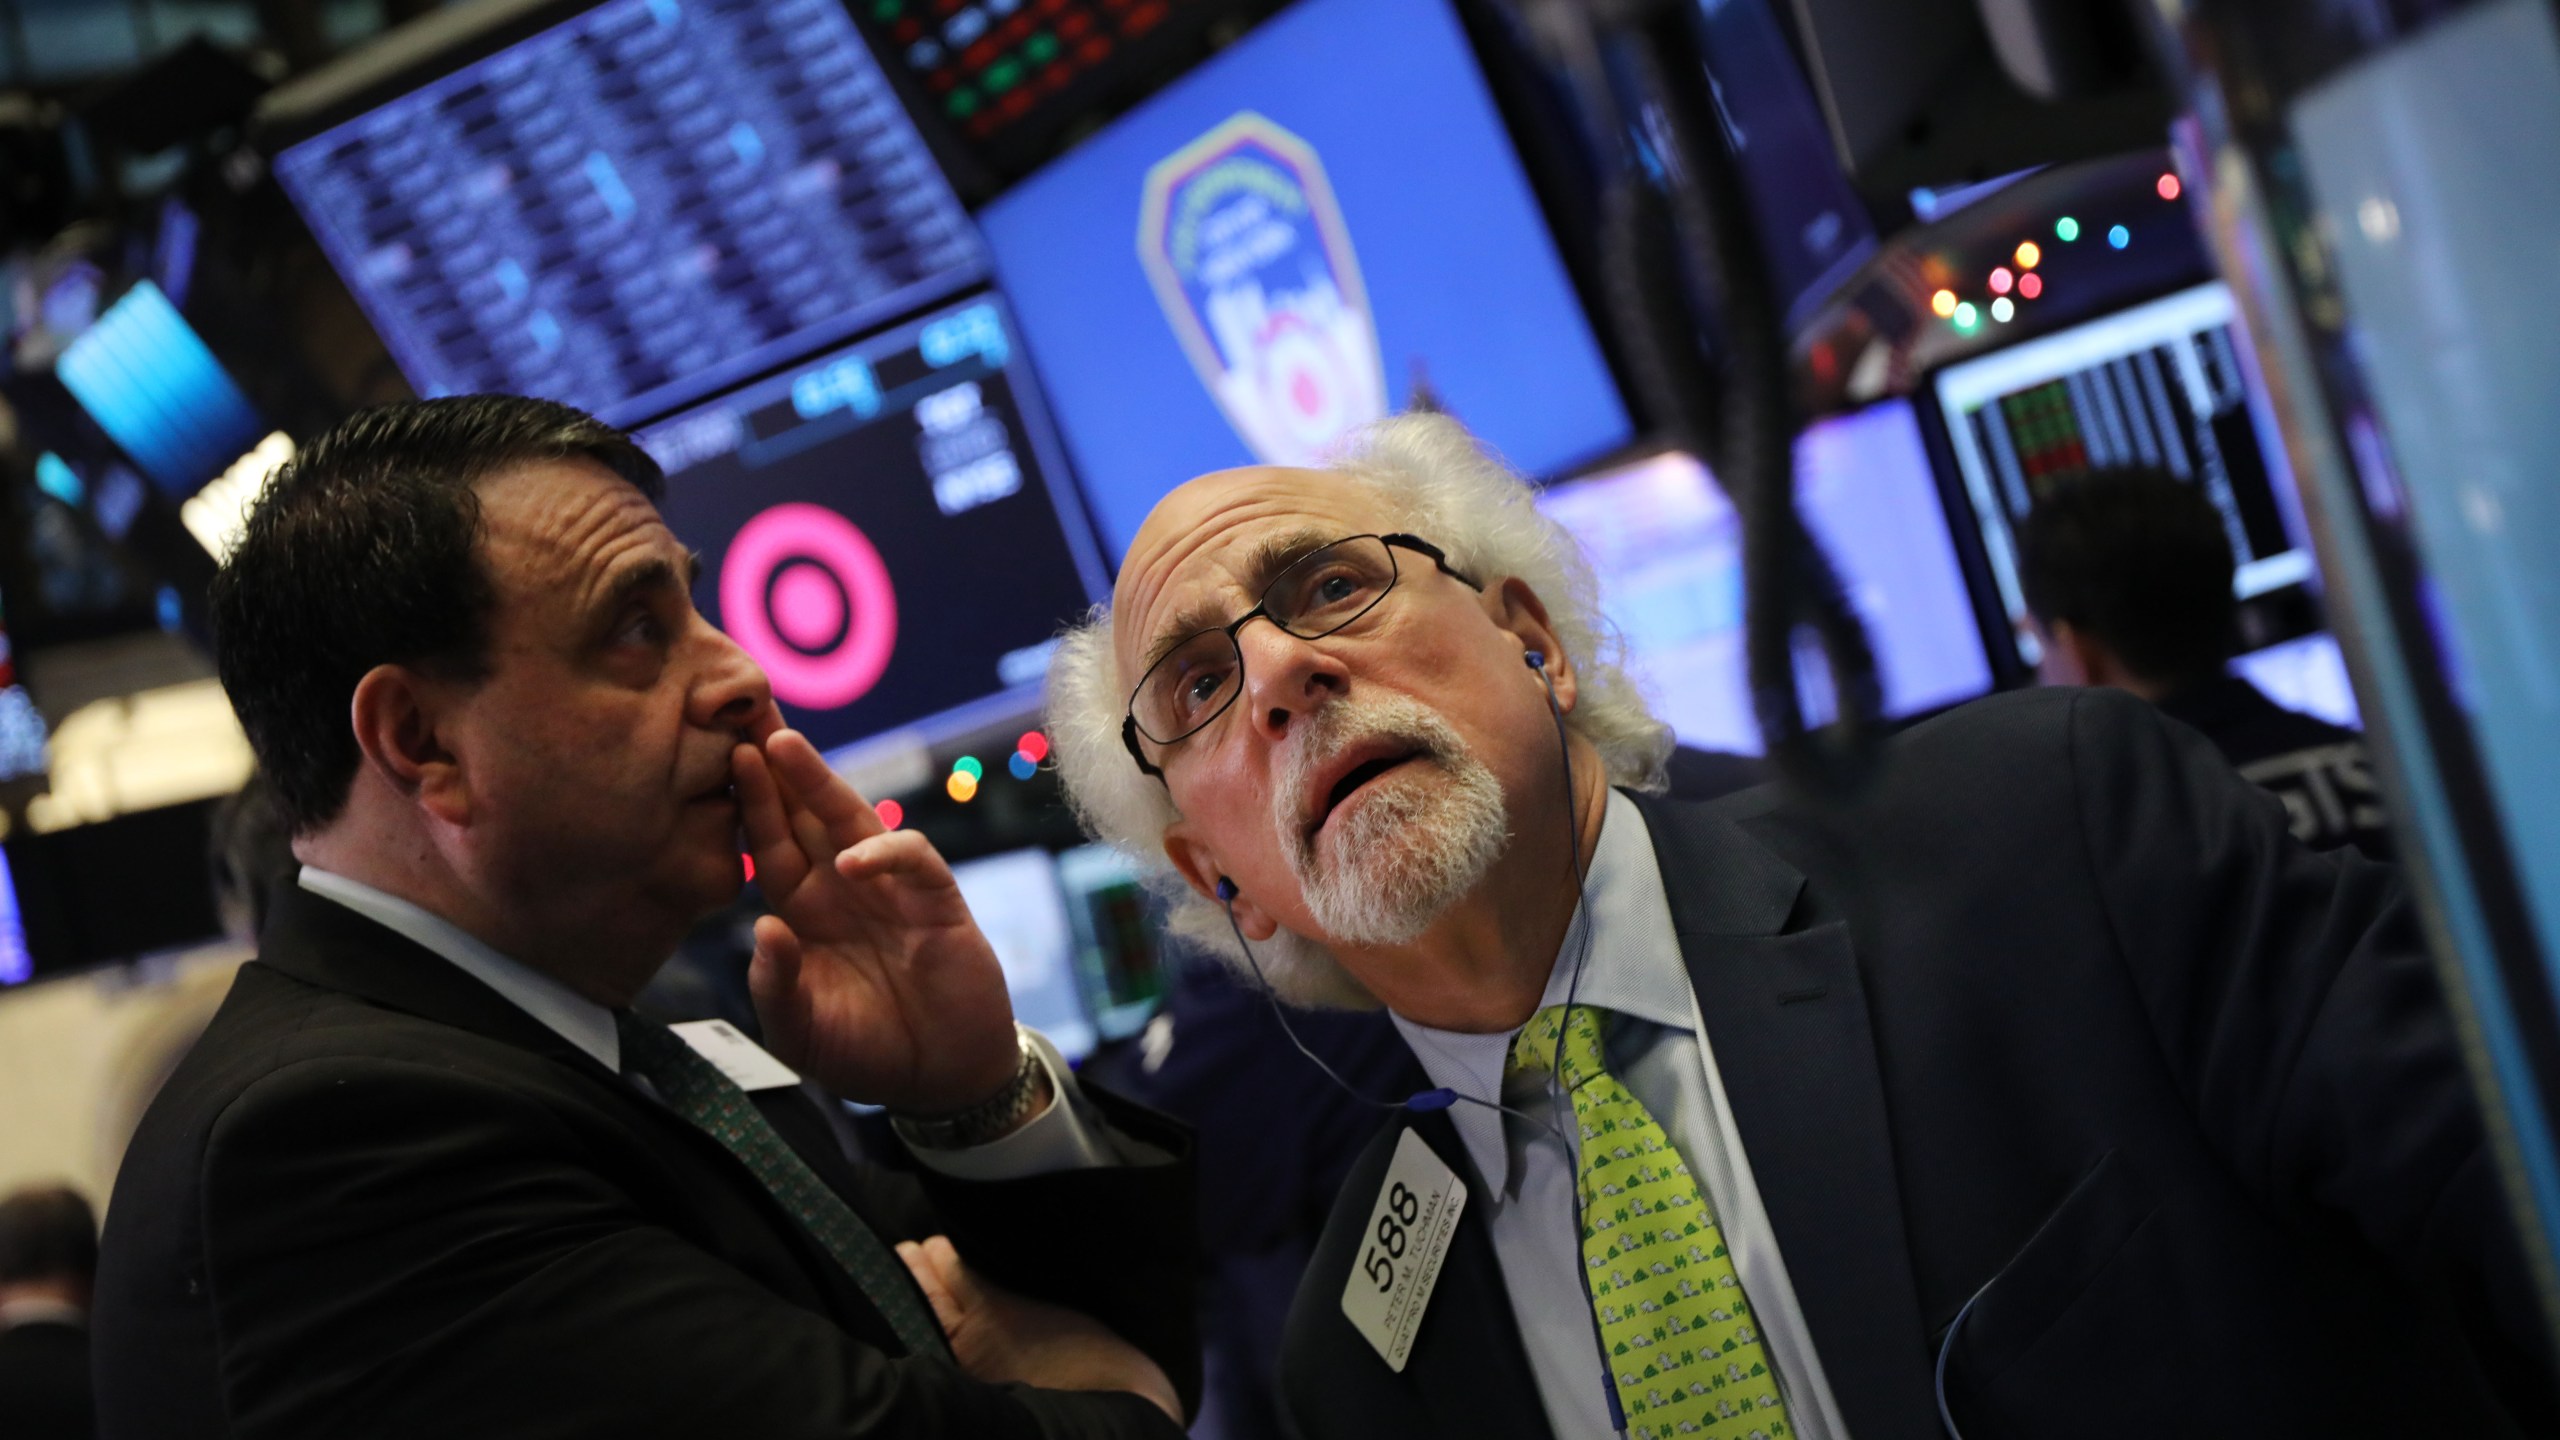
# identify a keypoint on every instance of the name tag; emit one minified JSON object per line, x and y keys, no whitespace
{"x":1398,"y":1262}
{"x":745,"y":1062}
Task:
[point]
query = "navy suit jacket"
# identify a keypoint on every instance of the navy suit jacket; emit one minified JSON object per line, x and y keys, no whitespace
{"x":2060,"y":1017}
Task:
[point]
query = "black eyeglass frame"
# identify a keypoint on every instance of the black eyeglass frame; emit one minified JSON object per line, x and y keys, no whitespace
{"x":1129,"y":731}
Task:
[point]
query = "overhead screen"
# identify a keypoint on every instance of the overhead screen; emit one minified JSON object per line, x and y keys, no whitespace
{"x":146,"y":377}
{"x":636,"y":206}
{"x":1668,"y":549}
{"x":1279,"y":245}
{"x":880,"y":527}
{"x":2159,"y":384}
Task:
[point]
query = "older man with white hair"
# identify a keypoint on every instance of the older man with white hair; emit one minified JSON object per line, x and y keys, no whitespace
{"x":2050,"y":1088}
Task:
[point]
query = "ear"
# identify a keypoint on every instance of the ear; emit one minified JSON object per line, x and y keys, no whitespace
{"x":1201,"y":871}
{"x":400,"y":718}
{"x":1516,"y":608}
{"x":2073,"y":656}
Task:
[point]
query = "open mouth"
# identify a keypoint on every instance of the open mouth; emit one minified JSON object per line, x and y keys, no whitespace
{"x":1358,"y":776}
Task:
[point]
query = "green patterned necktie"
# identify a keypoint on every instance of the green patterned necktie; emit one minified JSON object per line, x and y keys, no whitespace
{"x":1682,"y":1344}
{"x":696,"y":1089}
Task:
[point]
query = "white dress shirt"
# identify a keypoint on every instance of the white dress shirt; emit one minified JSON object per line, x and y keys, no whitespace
{"x":1066,"y":1136}
{"x":1657,"y":1047}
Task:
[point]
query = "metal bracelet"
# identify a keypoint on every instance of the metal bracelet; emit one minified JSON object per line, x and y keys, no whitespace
{"x":989,"y":1119}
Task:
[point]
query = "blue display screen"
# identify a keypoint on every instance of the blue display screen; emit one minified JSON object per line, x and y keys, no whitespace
{"x":151,"y":384}
{"x":636,"y":207}
{"x":1280,"y":246}
{"x":1667,"y":547}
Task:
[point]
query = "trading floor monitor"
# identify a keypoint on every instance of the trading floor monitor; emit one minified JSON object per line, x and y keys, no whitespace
{"x":882,"y":528}
{"x":1668,"y":549}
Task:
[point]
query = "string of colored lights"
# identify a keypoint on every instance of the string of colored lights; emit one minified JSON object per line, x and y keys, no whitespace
{"x":2008,"y":286}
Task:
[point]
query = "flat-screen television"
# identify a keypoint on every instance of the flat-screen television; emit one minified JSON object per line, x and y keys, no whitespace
{"x":1667,"y":546}
{"x":1117,"y":961}
{"x":2160,"y":384}
{"x":1320,"y":225}
{"x":1017,"y":902}
{"x":881,"y":527}
{"x":1814,"y":231}
{"x":147,"y":378}
{"x":629,"y":207}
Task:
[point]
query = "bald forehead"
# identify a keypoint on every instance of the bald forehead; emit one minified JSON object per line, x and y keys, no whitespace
{"x":1204,"y":546}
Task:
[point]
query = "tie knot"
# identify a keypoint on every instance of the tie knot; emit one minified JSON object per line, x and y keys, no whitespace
{"x":1559,"y":1041}
{"x":647,"y":1046}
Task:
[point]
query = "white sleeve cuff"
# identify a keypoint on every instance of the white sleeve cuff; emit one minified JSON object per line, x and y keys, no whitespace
{"x":1066,"y":1136}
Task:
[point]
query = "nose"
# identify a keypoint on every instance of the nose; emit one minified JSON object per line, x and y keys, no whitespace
{"x":1285,"y":677}
{"x":732,"y":692}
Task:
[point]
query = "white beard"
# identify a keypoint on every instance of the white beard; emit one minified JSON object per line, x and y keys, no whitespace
{"x":1408,"y":849}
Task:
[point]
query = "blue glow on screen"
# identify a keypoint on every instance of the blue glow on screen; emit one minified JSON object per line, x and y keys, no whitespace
{"x":1460,"y":275}
{"x":151,"y":384}
{"x":16,"y":965}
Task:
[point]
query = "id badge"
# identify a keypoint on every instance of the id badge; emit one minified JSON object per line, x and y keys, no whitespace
{"x":1398,"y":1263}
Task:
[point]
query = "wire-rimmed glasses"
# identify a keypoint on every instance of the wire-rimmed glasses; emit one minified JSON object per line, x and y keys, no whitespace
{"x":1200,"y":675}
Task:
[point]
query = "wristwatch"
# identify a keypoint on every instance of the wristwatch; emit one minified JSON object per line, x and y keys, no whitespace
{"x":989,"y":1119}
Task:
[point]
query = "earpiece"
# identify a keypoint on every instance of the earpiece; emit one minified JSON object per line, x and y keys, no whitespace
{"x":1226,"y":889}
{"x":1535,"y":660}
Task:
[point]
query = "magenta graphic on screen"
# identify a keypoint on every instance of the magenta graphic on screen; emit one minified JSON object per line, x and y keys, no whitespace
{"x":806,"y":593}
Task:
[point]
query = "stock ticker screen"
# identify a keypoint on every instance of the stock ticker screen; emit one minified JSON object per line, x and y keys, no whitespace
{"x":636,"y":207}
{"x":2159,"y":384}
{"x":884,"y":529}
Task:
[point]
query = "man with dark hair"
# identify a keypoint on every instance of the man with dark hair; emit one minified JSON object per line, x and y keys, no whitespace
{"x":48,"y":1259}
{"x":428,"y":1174}
{"x":2127,"y":574}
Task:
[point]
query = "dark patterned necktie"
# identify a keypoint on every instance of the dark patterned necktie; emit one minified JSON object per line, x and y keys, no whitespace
{"x":697,"y":1090}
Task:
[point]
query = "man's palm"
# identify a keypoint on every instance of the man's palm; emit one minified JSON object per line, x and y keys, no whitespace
{"x":870,"y":975}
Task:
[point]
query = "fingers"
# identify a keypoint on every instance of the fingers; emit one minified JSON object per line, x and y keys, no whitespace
{"x":946,"y":1306}
{"x":781,"y":864}
{"x":956,"y":1276}
{"x":846,"y":817}
{"x":905,"y":854}
{"x":773,"y":981}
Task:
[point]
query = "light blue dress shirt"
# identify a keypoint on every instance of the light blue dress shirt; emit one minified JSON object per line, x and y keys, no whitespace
{"x":1657,"y":1046}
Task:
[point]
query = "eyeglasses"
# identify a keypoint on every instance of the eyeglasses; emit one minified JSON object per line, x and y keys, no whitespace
{"x":1320,"y":593}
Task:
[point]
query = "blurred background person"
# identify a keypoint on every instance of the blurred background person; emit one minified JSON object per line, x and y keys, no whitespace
{"x":48,"y":1259}
{"x":2128,"y":578}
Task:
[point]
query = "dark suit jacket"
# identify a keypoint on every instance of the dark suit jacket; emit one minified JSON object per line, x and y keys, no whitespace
{"x":377,"y":1199}
{"x":44,"y":1382}
{"x":2063,"y":1018}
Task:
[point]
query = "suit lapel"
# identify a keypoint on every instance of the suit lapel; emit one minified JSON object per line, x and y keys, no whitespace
{"x":323,"y":943}
{"x":1468,"y":1373}
{"x":1786,"y":1017}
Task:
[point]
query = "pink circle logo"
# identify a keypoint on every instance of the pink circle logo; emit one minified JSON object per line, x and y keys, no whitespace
{"x":806,"y":594}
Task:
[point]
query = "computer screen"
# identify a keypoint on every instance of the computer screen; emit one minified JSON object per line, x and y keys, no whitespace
{"x":146,"y":377}
{"x":1814,"y":231}
{"x":1668,"y":549}
{"x":1116,"y":955}
{"x":2159,"y":384}
{"x":636,"y":206}
{"x":1307,"y":232}
{"x":1017,"y":902}
{"x":881,"y":529}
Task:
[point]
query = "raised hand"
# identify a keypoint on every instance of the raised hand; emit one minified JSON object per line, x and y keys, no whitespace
{"x":1004,"y":1338}
{"x":870,"y":976}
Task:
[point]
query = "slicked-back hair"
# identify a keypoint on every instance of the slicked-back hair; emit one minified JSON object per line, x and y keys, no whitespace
{"x":2139,"y":559}
{"x":47,"y":1233}
{"x":364,"y":550}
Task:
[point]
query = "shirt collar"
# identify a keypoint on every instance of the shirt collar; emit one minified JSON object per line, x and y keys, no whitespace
{"x":575,"y":1018}
{"x":1632,"y":966}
